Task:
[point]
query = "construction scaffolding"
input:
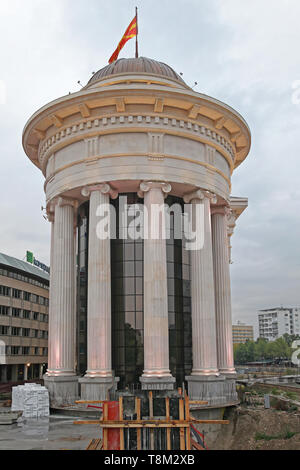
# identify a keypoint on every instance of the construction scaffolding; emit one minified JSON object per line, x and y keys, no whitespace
{"x":146,"y":428}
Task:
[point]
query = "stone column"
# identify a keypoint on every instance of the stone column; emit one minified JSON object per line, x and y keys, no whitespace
{"x":204,"y":382}
{"x":156,"y":374}
{"x":61,"y":377}
{"x":99,"y":377}
{"x":222,"y":290}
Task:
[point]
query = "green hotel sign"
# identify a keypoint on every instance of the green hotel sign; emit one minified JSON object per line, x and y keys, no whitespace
{"x":31,"y":259}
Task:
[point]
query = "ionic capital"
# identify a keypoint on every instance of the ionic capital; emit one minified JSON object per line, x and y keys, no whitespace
{"x":146,"y":186}
{"x":104,"y":188}
{"x":221,"y":210}
{"x":61,"y":202}
{"x":200,"y":195}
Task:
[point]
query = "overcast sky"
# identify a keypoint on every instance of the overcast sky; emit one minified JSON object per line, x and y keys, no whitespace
{"x":245,"y":53}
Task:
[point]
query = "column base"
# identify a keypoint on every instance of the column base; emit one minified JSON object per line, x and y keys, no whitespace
{"x":157,"y":383}
{"x":63,"y":390}
{"x":215,"y":390}
{"x":97,"y":388}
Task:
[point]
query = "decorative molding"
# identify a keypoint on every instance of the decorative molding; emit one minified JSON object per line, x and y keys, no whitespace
{"x":221,"y":210}
{"x":219,"y":123}
{"x":146,"y":186}
{"x":63,"y":201}
{"x":194,"y":111}
{"x":92,"y":146}
{"x":84,"y":110}
{"x":41,"y":134}
{"x":210,"y":155}
{"x":200,"y":195}
{"x":56,"y":121}
{"x":104,"y":188}
{"x":129,"y":123}
{"x":34,"y":148}
{"x":120,"y":105}
{"x":234,"y":137}
{"x":159,"y":105}
{"x":156,"y":144}
{"x":93,"y":160}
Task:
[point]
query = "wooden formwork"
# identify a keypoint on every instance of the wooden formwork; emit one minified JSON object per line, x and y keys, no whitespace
{"x":149,"y":426}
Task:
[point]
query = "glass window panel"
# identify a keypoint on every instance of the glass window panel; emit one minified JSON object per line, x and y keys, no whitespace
{"x":130,"y":356}
{"x":139,"y":319}
{"x":129,"y":269}
{"x":129,"y":337}
{"x":129,"y":252}
{"x":139,"y":268}
{"x":171,"y":303}
{"x":139,"y":302}
{"x":171,"y":320}
{"x":170,"y":253}
{"x":129,"y":286}
{"x":139,"y":251}
{"x":130,"y":319}
{"x":139,"y":285}
{"x":129,"y":303}
{"x":171,"y":287}
{"x":170,"y":270}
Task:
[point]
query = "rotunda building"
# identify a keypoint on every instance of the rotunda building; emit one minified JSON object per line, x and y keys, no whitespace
{"x":128,"y":311}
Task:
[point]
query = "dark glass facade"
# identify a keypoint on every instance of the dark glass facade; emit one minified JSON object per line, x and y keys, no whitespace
{"x":127,"y":298}
{"x":82,"y":283}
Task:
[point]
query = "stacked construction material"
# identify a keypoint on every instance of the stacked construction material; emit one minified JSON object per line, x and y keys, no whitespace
{"x":32,"y":399}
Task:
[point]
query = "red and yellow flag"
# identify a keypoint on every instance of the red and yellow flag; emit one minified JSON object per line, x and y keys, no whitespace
{"x":131,"y":32}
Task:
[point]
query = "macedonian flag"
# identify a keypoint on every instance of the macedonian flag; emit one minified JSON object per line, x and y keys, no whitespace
{"x":131,"y":32}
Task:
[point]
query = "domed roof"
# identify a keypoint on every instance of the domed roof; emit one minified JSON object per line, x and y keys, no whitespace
{"x":136,"y":66}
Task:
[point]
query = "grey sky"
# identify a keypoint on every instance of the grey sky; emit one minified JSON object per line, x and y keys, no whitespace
{"x":245,"y":53}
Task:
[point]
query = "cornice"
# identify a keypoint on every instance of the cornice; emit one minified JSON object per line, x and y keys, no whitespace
{"x":192,"y":106}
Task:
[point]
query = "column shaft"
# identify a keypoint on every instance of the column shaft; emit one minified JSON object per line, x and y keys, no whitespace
{"x":99,"y":295}
{"x":222,"y":292}
{"x":62,"y":310}
{"x":203,"y":302}
{"x":156,"y":347}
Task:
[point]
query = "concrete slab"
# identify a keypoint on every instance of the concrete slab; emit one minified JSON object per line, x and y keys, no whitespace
{"x":54,"y":433}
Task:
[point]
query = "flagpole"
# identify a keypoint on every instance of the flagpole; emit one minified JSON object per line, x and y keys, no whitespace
{"x":137,"y":33}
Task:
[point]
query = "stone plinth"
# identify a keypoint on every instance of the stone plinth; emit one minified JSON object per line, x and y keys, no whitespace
{"x":63,"y":390}
{"x":97,"y":388}
{"x":215,"y":390}
{"x":157,"y":383}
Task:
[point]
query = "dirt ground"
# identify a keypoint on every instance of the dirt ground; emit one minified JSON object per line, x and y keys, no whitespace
{"x":251,"y":429}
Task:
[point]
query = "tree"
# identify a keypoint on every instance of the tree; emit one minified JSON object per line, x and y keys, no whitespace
{"x":262,"y":349}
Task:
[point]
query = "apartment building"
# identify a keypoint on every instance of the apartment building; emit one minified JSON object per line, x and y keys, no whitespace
{"x":24,"y":304}
{"x":275,"y":322}
{"x":242,"y":333}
